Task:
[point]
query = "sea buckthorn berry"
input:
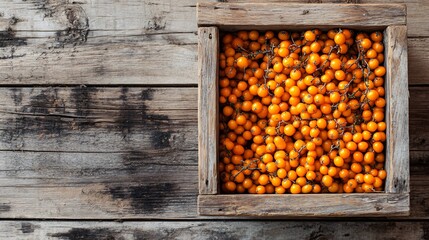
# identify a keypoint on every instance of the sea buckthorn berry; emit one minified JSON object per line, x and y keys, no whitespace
{"x":302,"y":112}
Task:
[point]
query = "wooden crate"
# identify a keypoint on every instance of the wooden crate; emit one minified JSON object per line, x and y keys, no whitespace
{"x":391,"y":18}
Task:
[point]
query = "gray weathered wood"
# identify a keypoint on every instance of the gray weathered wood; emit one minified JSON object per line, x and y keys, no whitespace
{"x":293,"y":15}
{"x":302,"y":205}
{"x":208,"y":109}
{"x":85,"y":119}
{"x":138,"y":183}
{"x":416,"y":11}
{"x":397,"y":147}
{"x":131,"y":17}
{"x":149,"y":59}
{"x":130,"y":48}
{"x":97,"y":42}
{"x":213,"y":230}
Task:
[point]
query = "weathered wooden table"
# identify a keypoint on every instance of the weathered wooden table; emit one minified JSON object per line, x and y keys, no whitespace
{"x":99,"y":122}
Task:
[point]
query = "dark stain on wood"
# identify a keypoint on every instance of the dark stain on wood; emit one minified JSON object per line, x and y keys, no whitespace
{"x":160,"y":140}
{"x":156,"y":23}
{"x":42,"y":116}
{"x":131,"y":118}
{"x":44,"y":7}
{"x":145,"y":199}
{"x":320,"y":234}
{"x":173,"y":40}
{"x":16,"y":95}
{"x":147,"y":94}
{"x":8,"y":38}
{"x":221,"y":234}
{"x":88,"y":234}
{"x":4,"y":207}
{"x":47,"y":116}
{"x":81,"y":97}
{"x":153,"y":120}
{"x":127,"y":115}
{"x":43,"y":102}
{"x":27,"y":227}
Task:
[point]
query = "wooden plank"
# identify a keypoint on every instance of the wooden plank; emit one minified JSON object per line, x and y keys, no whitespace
{"x":98,"y":42}
{"x":418,"y":60}
{"x":150,"y":59}
{"x":208,"y":109}
{"x":138,"y":183}
{"x":419,"y":182}
{"x":130,"y":17}
{"x":418,"y":118}
{"x":212,"y":230}
{"x":81,"y":119}
{"x":261,"y":15}
{"x":302,"y":205}
{"x":397,"y":149}
{"x":416,"y":11}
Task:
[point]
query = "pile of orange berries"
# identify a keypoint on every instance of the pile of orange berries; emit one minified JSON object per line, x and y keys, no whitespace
{"x":302,"y":112}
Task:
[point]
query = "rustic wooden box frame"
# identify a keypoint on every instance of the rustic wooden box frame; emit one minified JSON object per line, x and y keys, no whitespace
{"x":391,"y":18}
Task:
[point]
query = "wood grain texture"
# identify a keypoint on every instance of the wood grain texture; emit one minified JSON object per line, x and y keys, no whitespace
{"x":98,"y":42}
{"x":397,"y":147}
{"x":130,"y":17}
{"x":138,"y":183}
{"x":301,"y":205}
{"x":293,"y":15}
{"x":55,"y":230}
{"x":131,"y":153}
{"x":418,"y":118}
{"x":111,"y":43}
{"x":87,"y":119}
{"x":416,"y":11}
{"x":208,"y":109}
{"x":418,"y":60}
{"x":150,"y":59}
